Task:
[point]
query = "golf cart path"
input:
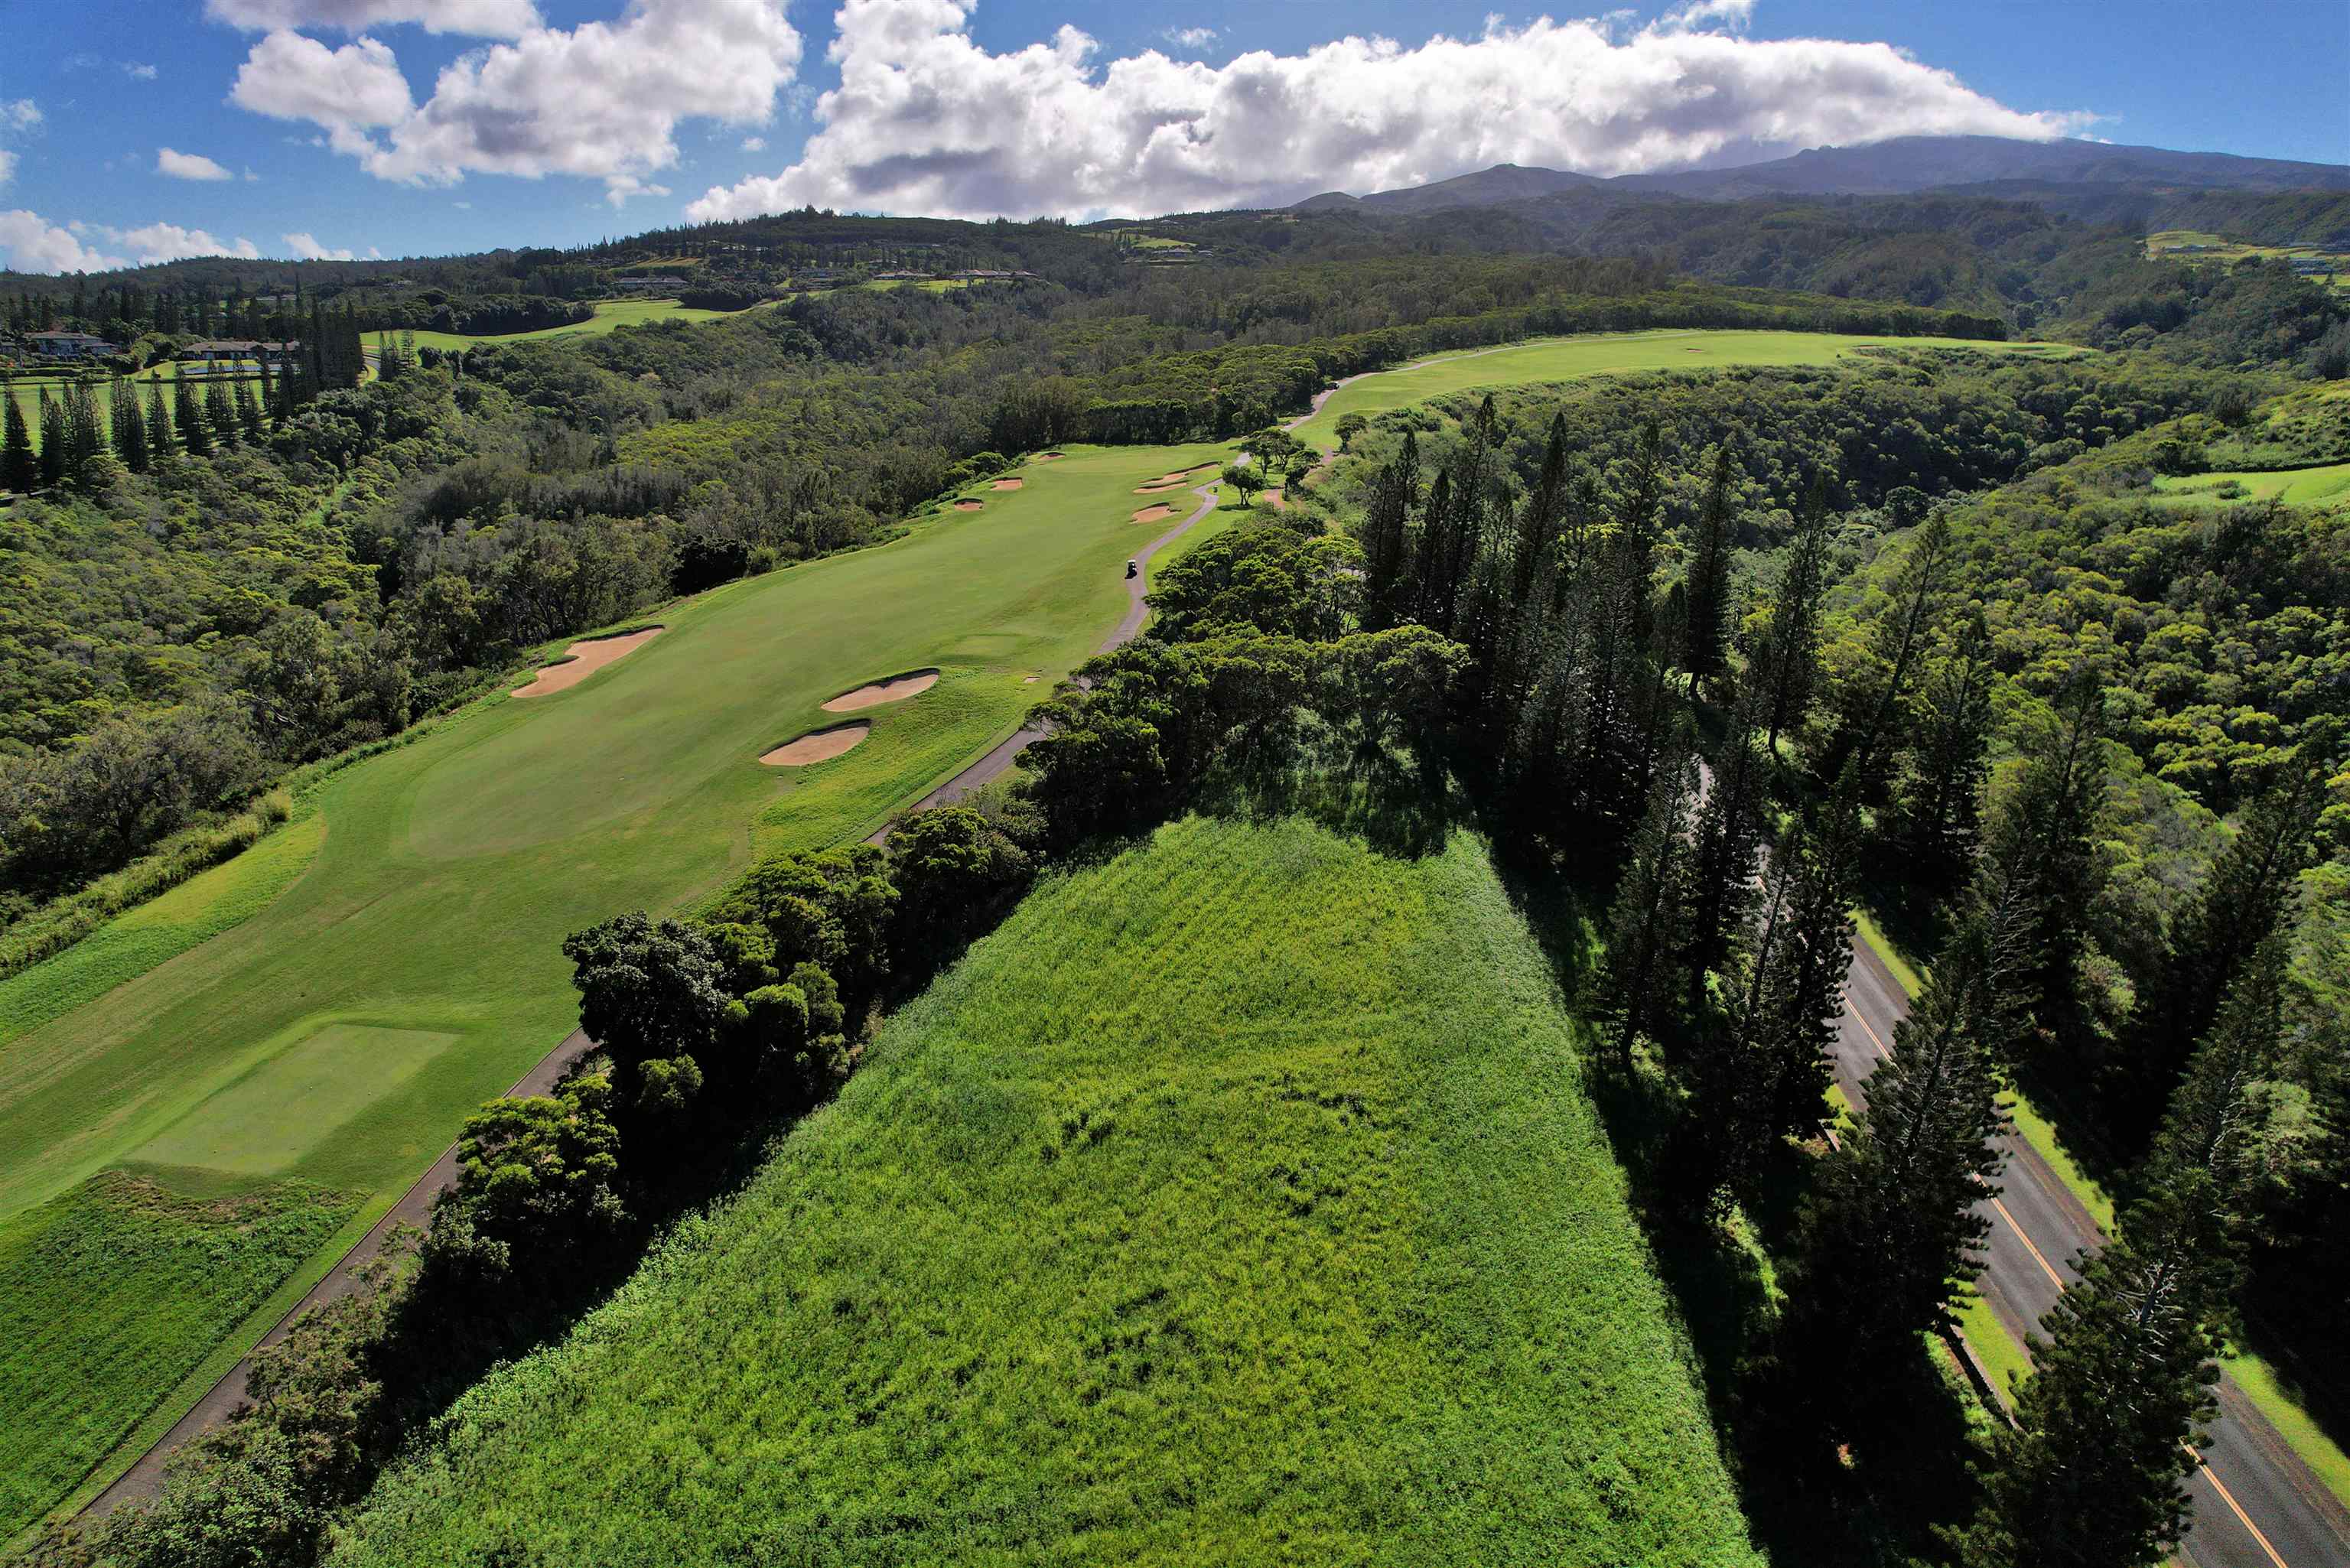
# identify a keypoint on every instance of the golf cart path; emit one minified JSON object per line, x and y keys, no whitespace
{"x":144,"y":1479}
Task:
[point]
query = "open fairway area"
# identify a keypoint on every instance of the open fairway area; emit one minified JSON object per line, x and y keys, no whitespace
{"x":1610,"y":353}
{"x":610,"y":316}
{"x":1239,"y":1201}
{"x":410,"y":967}
{"x":2293,"y":486}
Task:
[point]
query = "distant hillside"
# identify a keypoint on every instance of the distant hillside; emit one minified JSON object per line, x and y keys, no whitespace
{"x":2051,"y":171}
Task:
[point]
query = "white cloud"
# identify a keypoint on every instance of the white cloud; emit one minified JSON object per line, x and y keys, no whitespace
{"x":1732,"y":15}
{"x":347,"y":90}
{"x":139,"y":73}
{"x":754,"y":144}
{"x":309,"y":249}
{"x":169,"y":241}
{"x":463,"y":206}
{"x":601,"y":100}
{"x":22,"y":114}
{"x":473,"y":18}
{"x":1188,"y":37}
{"x":31,"y":245}
{"x":188,"y":165}
{"x":7,"y":166}
{"x":250,"y":177}
{"x":926,"y":120}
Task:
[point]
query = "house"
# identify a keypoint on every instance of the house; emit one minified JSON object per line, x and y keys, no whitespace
{"x":56,"y":345}
{"x":216,"y":349}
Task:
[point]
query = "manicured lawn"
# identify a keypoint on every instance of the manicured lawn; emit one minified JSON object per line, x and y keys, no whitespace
{"x":610,"y":316}
{"x":99,"y":1284}
{"x":2293,"y":486}
{"x":443,"y":874}
{"x":1607,"y":353}
{"x":1238,"y":1202}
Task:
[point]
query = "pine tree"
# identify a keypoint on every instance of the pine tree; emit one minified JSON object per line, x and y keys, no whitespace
{"x":159,"y":443}
{"x":55,"y":443}
{"x":1787,"y":662}
{"x":220,"y":413}
{"x":248,"y":414}
{"x":2090,"y":1475}
{"x":85,"y":426}
{"x":129,"y":428}
{"x":1893,"y":1232}
{"x":188,"y":415}
{"x":1639,"y":959}
{"x":1937,"y":816}
{"x":2241,"y":903}
{"x":1728,"y":835}
{"x":20,"y":467}
{"x":1899,"y":637}
{"x":1709,"y":578}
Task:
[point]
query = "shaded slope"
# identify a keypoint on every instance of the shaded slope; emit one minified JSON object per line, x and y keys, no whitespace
{"x":1238,"y":1201}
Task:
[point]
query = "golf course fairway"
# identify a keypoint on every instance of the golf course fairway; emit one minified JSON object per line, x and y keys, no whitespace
{"x":1611,"y":353}
{"x":318,"y":1055}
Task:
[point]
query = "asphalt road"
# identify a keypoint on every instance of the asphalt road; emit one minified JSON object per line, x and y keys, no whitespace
{"x":2257,"y":1505}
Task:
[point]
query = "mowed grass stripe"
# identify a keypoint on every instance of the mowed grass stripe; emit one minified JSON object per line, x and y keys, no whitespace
{"x":1238,"y":1201}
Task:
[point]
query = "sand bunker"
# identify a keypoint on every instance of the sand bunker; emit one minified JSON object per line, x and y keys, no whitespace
{"x":582,"y":659}
{"x":968,"y":505}
{"x":1178,"y":477}
{"x":817,"y":746}
{"x":1047,"y":456}
{"x":1006,"y":484}
{"x":1153,"y":514}
{"x":1155,"y":488}
{"x":896,"y":689}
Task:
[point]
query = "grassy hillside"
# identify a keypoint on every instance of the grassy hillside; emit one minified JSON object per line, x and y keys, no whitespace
{"x":1237,"y":1203}
{"x":406,"y":964}
{"x":610,"y":316}
{"x":1610,"y":353}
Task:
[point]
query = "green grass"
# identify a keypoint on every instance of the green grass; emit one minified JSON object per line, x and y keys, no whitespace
{"x":158,"y":930}
{"x":2321,"y":1453}
{"x":1237,"y":1203}
{"x":610,"y":316}
{"x":295,"y":1100}
{"x":2000,"y":1353}
{"x":2167,"y":244}
{"x":443,"y":874}
{"x":101,"y":1280}
{"x":2293,"y":486}
{"x":1604,"y":353}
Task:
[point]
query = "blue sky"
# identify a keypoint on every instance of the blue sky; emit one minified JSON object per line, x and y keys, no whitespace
{"x":327,"y":126}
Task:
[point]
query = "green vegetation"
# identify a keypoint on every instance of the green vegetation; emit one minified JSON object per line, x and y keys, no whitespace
{"x":451,"y":867}
{"x":610,"y":316}
{"x":1239,"y":1199}
{"x":100,"y":1283}
{"x":2195,"y":246}
{"x":1607,"y":353}
{"x":2294,"y":487}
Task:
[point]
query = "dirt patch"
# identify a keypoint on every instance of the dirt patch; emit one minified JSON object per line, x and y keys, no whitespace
{"x":1008,"y":485}
{"x":1153,"y":514}
{"x":1049,"y":457}
{"x":1280,"y":502}
{"x":582,"y":659}
{"x":1030,"y":679}
{"x":968,"y":505}
{"x":817,"y":746}
{"x":896,"y":689}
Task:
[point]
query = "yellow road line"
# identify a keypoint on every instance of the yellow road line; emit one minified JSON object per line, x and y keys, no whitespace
{"x":2237,"y":1508}
{"x":2054,"y":1277}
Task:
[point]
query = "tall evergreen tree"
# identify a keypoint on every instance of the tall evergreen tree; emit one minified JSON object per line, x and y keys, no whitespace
{"x":2090,"y":1475}
{"x":2239,"y":905}
{"x":85,"y":426}
{"x":1787,"y":660}
{"x":1899,"y":637}
{"x":1721,"y":864}
{"x":56,"y":445}
{"x":194,"y":433}
{"x":159,"y":443}
{"x":129,"y":428}
{"x":248,"y":414}
{"x":220,"y":413}
{"x":1639,"y":962}
{"x":1709,"y":578}
{"x":1893,"y":1231}
{"x":20,"y":466}
{"x":1937,"y":816}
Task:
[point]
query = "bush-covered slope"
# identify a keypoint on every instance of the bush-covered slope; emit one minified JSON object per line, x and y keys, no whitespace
{"x":1237,"y":1203}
